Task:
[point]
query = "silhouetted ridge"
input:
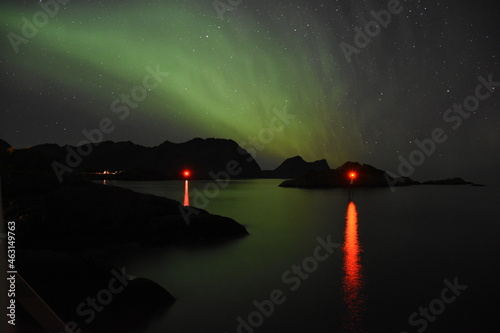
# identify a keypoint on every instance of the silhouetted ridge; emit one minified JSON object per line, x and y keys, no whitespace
{"x":204,"y":157}
{"x":295,"y":167}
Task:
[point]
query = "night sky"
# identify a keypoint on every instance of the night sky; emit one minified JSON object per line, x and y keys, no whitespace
{"x":230,"y":74}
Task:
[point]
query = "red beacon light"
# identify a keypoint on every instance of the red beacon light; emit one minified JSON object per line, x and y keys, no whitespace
{"x":186,"y":173}
{"x":352,"y":175}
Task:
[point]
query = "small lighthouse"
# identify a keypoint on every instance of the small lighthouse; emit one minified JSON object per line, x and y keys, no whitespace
{"x":352,"y":175}
{"x":186,"y":174}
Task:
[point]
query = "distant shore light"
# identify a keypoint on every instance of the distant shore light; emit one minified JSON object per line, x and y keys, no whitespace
{"x":352,"y":174}
{"x":186,"y":173}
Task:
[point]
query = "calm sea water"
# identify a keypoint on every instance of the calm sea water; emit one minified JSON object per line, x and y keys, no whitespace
{"x":425,"y":253}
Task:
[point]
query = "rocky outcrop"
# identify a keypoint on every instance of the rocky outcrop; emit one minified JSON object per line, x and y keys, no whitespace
{"x":366,"y":176}
{"x":89,"y":295}
{"x":450,"y":181}
{"x":295,"y":167}
{"x":87,"y":215}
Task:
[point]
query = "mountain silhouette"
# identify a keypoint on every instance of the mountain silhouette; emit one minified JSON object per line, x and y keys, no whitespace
{"x":295,"y":167}
{"x":204,"y":157}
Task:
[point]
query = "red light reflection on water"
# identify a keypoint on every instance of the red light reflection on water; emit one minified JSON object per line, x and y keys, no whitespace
{"x":186,"y":193}
{"x":353,"y":278}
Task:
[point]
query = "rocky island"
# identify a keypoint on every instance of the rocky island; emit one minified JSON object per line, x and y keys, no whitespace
{"x":366,"y":176}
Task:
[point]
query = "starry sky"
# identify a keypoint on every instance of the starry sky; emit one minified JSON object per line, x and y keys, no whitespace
{"x":229,"y":73}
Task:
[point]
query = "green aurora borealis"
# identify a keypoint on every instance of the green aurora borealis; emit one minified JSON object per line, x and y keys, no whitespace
{"x":228,"y":77}
{"x":225,"y":79}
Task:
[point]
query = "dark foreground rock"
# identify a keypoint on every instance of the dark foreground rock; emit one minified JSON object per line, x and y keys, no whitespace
{"x":85,"y":215}
{"x":89,"y":296}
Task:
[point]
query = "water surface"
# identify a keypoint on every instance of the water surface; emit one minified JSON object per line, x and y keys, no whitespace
{"x":396,"y":249}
